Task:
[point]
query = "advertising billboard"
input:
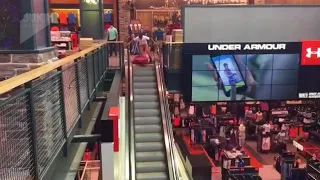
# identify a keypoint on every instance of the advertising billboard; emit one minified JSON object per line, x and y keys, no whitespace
{"x":250,"y":71}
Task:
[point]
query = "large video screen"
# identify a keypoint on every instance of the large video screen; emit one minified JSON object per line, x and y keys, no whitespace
{"x":244,"y":77}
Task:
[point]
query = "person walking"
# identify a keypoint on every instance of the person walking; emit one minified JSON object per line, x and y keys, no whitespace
{"x":112,"y":35}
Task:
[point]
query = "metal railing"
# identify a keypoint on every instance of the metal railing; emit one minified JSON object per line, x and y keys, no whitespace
{"x":43,"y":107}
{"x":166,"y":122}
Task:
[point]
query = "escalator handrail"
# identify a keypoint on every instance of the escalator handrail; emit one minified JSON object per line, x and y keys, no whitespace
{"x":131,"y":120}
{"x":168,"y":134}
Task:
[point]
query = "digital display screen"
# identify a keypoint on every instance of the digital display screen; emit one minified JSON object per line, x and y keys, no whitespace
{"x":245,"y":77}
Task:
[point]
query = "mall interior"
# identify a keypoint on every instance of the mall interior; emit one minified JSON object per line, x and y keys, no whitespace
{"x":161,"y":90}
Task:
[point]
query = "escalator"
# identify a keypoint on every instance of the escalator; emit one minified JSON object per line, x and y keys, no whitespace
{"x":150,"y":152}
{"x":150,"y":137}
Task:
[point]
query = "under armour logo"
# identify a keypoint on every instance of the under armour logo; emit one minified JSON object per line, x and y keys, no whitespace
{"x":310,"y":53}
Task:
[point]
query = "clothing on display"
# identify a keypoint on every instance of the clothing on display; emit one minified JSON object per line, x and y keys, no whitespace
{"x":281,"y":137}
{"x":242,"y":135}
{"x":191,"y":110}
{"x":222,"y":131}
{"x":176,"y":110}
{"x":214,"y":109}
{"x":54,"y":18}
{"x":159,"y":33}
{"x":266,"y":143}
{"x":259,"y":116}
{"x":108,"y":17}
{"x":192,"y":136}
{"x":63,"y":18}
{"x":182,"y":105}
{"x":206,"y":110}
{"x":72,"y":18}
{"x":199,"y":112}
{"x":176,"y":121}
{"x":266,"y":128}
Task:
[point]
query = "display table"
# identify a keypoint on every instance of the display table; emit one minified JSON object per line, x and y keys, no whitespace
{"x":198,"y":165}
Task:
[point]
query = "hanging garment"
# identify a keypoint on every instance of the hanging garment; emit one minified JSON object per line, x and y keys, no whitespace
{"x":54,"y":18}
{"x":199,"y":136}
{"x":176,"y":110}
{"x":191,"y":110}
{"x":63,"y":18}
{"x":199,"y":111}
{"x":176,"y":121}
{"x":214,"y":109}
{"x":266,"y":143}
{"x":204,"y":136}
{"x":222,"y":131}
{"x":72,"y":18}
{"x":182,"y":105}
{"x":183,"y":122}
{"x":176,"y":98}
{"x":242,"y":139}
{"x":192,"y":136}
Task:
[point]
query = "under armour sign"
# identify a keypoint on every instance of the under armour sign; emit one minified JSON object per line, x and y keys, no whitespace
{"x":245,"y":47}
{"x":310,"y":55}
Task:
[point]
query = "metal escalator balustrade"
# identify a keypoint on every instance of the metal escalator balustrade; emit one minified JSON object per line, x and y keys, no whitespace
{"x":150,"y":153}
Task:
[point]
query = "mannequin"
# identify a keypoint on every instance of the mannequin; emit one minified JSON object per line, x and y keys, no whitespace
{"x":266,"y":127}
{"x":242,"y":134}
{"x":259,"y":116}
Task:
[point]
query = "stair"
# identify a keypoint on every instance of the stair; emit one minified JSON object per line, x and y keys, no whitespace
{"x":151,"y":163}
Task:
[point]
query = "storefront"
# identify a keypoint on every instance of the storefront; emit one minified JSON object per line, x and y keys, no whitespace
{"x":248,"y":89}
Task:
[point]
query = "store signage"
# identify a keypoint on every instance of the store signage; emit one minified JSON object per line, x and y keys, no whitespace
{"x":246,"y":47}
{"x":310,"y":54}
{"x":310,"y":95}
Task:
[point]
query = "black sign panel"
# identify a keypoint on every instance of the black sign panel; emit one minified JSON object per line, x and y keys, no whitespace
{"x":242,"y":48}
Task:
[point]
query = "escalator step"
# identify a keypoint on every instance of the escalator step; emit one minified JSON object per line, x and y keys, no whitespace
{"x":150,"y":156}
{"x":147,"y":128}
{"x":144,"y":85}
{"x":146,"y":105}
{"x":147,"y":72}
{"x":152,"y":176}
{"x":152,"y":91}
{"x":149,"y":146}
{"x":145,"y":98}
{"x":146,"y":112}
{"x":144,"y":79}
{"x":145,"y":167}
{"x":148,"y":137}
{"x":147,"y":120}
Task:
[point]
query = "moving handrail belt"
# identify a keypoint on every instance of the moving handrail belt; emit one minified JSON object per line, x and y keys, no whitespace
{"x":168,"y":134}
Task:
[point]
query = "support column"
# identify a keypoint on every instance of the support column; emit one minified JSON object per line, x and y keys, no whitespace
{"x":24,"y":36}
{"x":91,"y":16}
{"x":124,"y":19}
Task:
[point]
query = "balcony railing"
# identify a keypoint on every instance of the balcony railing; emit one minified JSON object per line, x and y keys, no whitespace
{"x":43,"y":107}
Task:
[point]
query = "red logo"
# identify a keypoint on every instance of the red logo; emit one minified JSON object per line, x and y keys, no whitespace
{"x":310,"y":55}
